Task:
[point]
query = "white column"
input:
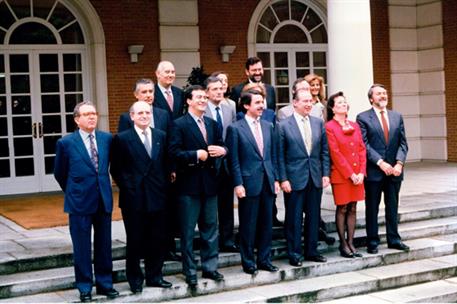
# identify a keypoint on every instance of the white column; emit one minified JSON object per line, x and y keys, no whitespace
{"x":350,"y":61}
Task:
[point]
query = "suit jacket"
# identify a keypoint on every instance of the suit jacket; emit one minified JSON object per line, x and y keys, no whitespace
{"x":161,"y":118}
{"x":395,"y":150}
{"x":77,"y":176}
{"x":347,"y":152}
{"x":178,"y":101}
{"x":194,"y":177}
{"x":245,"y":161}
{"x":141,"y":179}
{"x":285,"y":112}
{"x":294,"y":162}
{"x":271,"y":94}
{"x":228,"y":116}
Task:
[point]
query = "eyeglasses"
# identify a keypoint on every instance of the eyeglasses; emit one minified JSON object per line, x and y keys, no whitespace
{"x":87,"y":114}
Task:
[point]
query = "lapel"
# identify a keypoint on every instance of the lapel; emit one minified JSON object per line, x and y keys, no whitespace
{"x":101,"y":148}
{"x":377,"y":125}
{"x":295,"y":129}
{"x":266,"y":135}
{"x":195,"y":130}
{"x":247,"y":130}
{"x":393,"y":124}
{"x":82,"y":149}
{"x":155,"y":145}
{"x":137,"y":147}
{"x":176,"y":99}
{"x":315,"y":132}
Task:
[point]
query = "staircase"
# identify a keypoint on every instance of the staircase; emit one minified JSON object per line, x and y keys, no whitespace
{"x":428,"y":224}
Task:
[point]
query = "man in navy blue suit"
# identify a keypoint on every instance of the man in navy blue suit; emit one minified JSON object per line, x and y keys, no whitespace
{"x":304,"y":169}
{"x":81,"y":169}
{"x":195,"y":145}
{"x":252,"y":161}
{"x":167,"y":96}
{"x":254,"y":72}
{"x":144,"y":90}
{"x":384,"y":135}
{"x":139,"y":168}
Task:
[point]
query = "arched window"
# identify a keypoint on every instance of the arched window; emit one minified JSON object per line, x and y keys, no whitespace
{"x":290,"y":36}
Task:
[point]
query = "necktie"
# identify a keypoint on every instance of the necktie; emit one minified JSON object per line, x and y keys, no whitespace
{"x":258,"y":137}
{"x":93,"y":152}
{"x":146,"y":143}
{"x":201,"y":126}
{"x":308,"y":135}
{"x":219,"y":119}
{"x":169,"y":99}
{"x":385,"y":128}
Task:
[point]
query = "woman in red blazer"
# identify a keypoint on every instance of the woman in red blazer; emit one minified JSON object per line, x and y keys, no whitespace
{"x":348,"y":157}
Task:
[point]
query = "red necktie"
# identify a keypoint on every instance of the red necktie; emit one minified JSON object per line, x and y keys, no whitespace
{"x":169,"y":99}
{"x":258,"y":137}
{"x":385,"y":128}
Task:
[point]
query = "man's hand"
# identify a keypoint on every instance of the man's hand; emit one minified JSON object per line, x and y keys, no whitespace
{"x":397,"y":169}
{"x":216,"y":151}
{"x":286,"y":187}
{"x":386,"y":168}
{"x":202,"y":155}
{"x":325,"y":181}
{"x":240,"y":191}
{"x":277,"y":188}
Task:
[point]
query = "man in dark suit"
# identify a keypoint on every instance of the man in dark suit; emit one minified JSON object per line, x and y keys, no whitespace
{"x":304,"y":169}
{"x":252,"y":161}
{"x":144,"y":90}
{"x":254,"y":72}
{"x":224,"y":115}
{"x":81,"y":169}
{"x":195,"y":144}
{"x":139,"y":168}
{"x":167,"y":96}
{"x":384,"y":135}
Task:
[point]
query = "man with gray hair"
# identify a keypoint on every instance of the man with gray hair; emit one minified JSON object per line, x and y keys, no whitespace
{"x":167,"y":96}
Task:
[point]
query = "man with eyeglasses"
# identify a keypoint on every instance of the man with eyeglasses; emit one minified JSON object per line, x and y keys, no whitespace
{"x":81,"y":169}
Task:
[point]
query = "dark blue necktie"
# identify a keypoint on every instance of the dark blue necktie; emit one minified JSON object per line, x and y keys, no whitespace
{"x":93,"y":152}
{"x":219,"y":119}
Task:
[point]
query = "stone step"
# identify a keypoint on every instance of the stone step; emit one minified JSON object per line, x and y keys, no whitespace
{"x":344,"y":286}
{"x":15,"y":287}
{"x":415,"y":208}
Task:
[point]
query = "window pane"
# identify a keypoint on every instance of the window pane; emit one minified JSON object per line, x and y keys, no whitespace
{"x":298,"y":9}
{"x":72,"y":62}
{"x":268,"y":19}
{"x":2,"y":84}
{"x":2,"y":64}
{"x":290,"y":34}
{"x":2,"y":36}
{"x":283,"y":95}
{"x":6,"y":18}
{"x":49,"y":83}
{"x":21,"y":8}
{"x":61,"y":16}
{"x":265,"y":57}
{"x":50,"y":144}
{"x":282,"y":77}
{"x":302,"y":72}
{"x":321,"y":72}
{"x":4,"y":147}
{"x":49,"y":63}
{"x":73,"y":83}
{"x":2,"y":105}
{"x":282,"y":10}
{"x":52,"y":124}
{"x":24,"y":167}
{"x":319,"y":59}
{"x":263,"y":36}
{"x":281,"y":60}
{"x":5,"y":168}
{"x":19,"y":63}
{"x":302,"y":59}
{"x":319,"y":35}
{"x":49,"y":164}
{"x":21,"y":105}
{"x":3,"y":126}
{"x":50,"y":103}
{"x":72,"y":35}
{"x":42,"y":8}
{"x":266,"y":76}
{"x":20,"y":84}
{"x":32,"y":33}
{"x":23,"y":146}
{"x":70,"y":123}
{"x":311,"y":20}
{"x":71,"y":100}
{"x":22,"y":125}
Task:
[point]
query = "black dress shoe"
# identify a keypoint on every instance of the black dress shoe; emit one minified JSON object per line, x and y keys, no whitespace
{"x":357,"y":254}
{"x":316,"y":258}
{"x":159,"y":283}
{"x":250,"y":270}
{"x":136,"y":289}
{"x":295,"y":262}
{"x":372,"y":250}
{"x":109,"y":293}
{"x":230,"y":248}
{"x":346,"y":253}
{"x":399,"y":246}
{"x":213,"y":275}
{"x":268,"y":267}
{"x":172,"y":256}
{"x":192,"y":281}
{"x":85,"y":296}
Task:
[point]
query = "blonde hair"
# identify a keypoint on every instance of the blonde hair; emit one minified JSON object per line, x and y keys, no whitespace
{"x":310,"y":78}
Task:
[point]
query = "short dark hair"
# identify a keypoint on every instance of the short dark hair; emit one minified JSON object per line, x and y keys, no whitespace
{"x":246,"y":98}
{"x":80,"y":104}
{"x":331,"y":104}
{"x":370,"y":90}
{"x":190,"y":89}
{"x":251,"y":61}
{"x":142,"y":81}
{"x":210,"y":80}
{"x":294,"y":85}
